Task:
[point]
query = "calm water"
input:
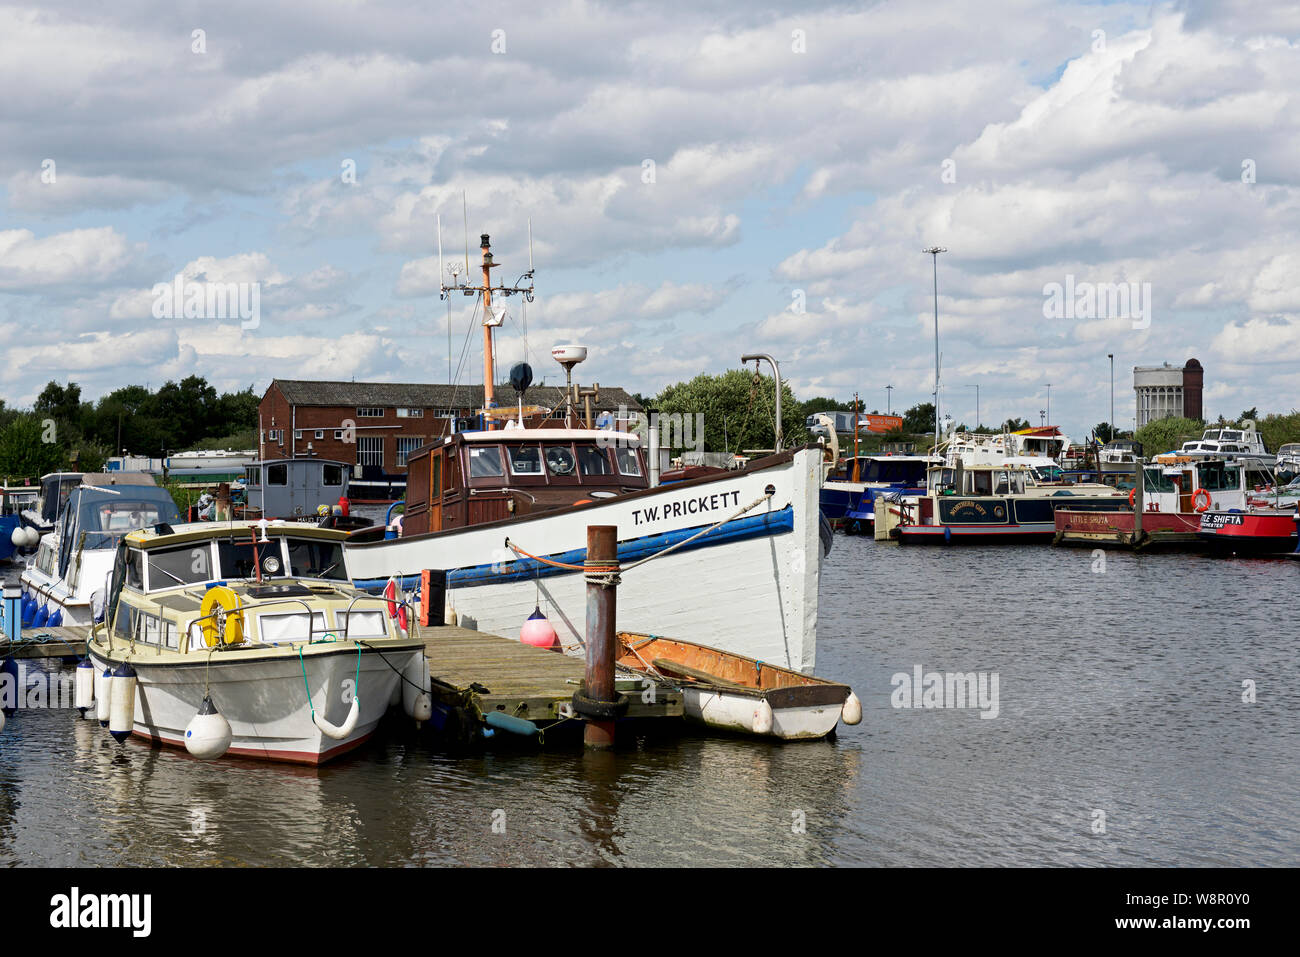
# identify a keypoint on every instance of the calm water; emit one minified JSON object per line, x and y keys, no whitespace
{"x":1119,"y":692}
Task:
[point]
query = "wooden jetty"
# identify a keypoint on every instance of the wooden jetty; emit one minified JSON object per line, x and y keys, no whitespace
{"x":67,"y":641}
{"x":492,"y":673}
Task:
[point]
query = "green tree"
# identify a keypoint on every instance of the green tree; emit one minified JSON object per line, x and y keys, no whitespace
{"x":1165,"y":435}
{"x":1104,"y":431}
{"x":824,"y":404}
{"x":738,"y":410}
{"x":919,"y":419}
{"x":24,"y":450}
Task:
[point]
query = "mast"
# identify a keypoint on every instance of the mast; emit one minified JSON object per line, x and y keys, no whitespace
{"x":489,"y":397}
{"x":490,"y":320}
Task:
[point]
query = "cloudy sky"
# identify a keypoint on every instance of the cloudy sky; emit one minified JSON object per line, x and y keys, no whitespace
{"x":694,"y":172}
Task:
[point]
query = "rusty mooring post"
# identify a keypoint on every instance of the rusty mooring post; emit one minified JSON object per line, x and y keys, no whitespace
{"x":601,"y":704}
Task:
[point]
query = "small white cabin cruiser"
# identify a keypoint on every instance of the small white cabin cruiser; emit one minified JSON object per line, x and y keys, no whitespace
{"x":73,"y":560}
{"x":247,"y":638}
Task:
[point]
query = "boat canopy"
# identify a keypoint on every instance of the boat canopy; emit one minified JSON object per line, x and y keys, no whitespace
{"x":98,"y":517}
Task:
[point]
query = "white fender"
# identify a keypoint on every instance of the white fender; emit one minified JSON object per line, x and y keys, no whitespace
{"x":121,"y":711}
{"x":83,"y":695}
{"x":101,"y":696}
{"x":762,"y":717}
{"x":208,"y":734}
{"x":416,"y":684}
{"x":852,"y":712}
{"x":338,"y":733}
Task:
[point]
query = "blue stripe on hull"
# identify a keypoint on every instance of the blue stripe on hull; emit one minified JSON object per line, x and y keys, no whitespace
{"x":527,"y":569}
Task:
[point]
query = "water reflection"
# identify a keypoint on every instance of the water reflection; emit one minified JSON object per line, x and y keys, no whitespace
{"x":1119,"y":692}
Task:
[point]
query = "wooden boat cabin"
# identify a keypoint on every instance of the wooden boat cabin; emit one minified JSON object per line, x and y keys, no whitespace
{"x":474,"y":477}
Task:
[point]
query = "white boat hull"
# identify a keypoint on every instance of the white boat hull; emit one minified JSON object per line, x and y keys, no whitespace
{"x":265,"y":699}
{"x":749,"y":586}
{"x":735,"y":712}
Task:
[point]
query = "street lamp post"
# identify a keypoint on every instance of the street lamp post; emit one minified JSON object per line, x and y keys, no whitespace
{"x":889,"y":408}
{"x":934,"y":255}
{"x":1111,"y":357}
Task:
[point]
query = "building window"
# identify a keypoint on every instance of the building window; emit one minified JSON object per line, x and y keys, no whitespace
{"x":297,"y":433}
{"x":275,"y":435}
{"x":320,"y":433}
{"x":444,"y":413}
{"x":410,"y":413}
{"x":370,"y":413}
{"x":338,"y":435}
{"x":405,"y":446}
{"x":370,"y":451}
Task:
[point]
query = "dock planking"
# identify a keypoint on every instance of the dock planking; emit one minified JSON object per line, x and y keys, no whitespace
{"x":502,"y":674}
{"x":66,"y":641}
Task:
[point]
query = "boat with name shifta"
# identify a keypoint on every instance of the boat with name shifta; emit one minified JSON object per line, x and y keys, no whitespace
{"x":247,"y":638}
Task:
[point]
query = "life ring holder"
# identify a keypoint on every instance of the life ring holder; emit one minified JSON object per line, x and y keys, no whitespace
{"x":1201,"y":500}
{"x":221,"y":618}
{"x":1132,"y":494}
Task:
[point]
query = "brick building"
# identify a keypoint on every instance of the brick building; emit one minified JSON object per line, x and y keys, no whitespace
{"x":298,"y":419}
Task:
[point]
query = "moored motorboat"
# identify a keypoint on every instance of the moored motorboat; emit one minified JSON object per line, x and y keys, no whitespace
{"x":259,"y":626}
{"x":733,"y":557}
{"x":735,"y":693}
{"x":1265,"y":531}
{"x":1173,"y":499}
{"x":64,"y":584}
{"x":986,"y":504}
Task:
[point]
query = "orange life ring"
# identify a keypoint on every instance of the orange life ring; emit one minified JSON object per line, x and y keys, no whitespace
{"x":395,"y":610}
{"x":1201,"y":500}
{"x":1132,"y":494}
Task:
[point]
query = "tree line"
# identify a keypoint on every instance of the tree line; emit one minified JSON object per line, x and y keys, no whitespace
{"x":61,"y":430}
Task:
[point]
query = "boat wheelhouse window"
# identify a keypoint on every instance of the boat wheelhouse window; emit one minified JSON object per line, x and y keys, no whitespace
{"x":236,"y":559}
{"x":485,"y":462}
{"x":1001,"y":483}
{"x":1155,"y":480}
{"x":331,"y":475}
{"x":277,"y":474}
{"x":363,"y":624}
{"x":559,"y":460}
{"x":186,"y":565}
{"x":125,"y":620}
{"x":629,"y":463}
{"x":593,"y":461}
{"x":253,"y":476}
{"x":148,"y":629}
{"x":1215,"y":476}
{"x":290,"y":626}
{"x":134,"y":568}
{"x":316,"y":559}
{"x":525,"y":459}
{"x":943,"y":480}
{"x":981,"y":483}
{"x":1256,"y":478}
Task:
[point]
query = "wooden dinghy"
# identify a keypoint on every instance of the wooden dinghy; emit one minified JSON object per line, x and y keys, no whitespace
{"x":734,"y":693}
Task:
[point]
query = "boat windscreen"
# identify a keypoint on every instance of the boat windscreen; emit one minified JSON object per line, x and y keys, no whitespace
{"x":309,"y":558}
{"x":104,"y":518}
